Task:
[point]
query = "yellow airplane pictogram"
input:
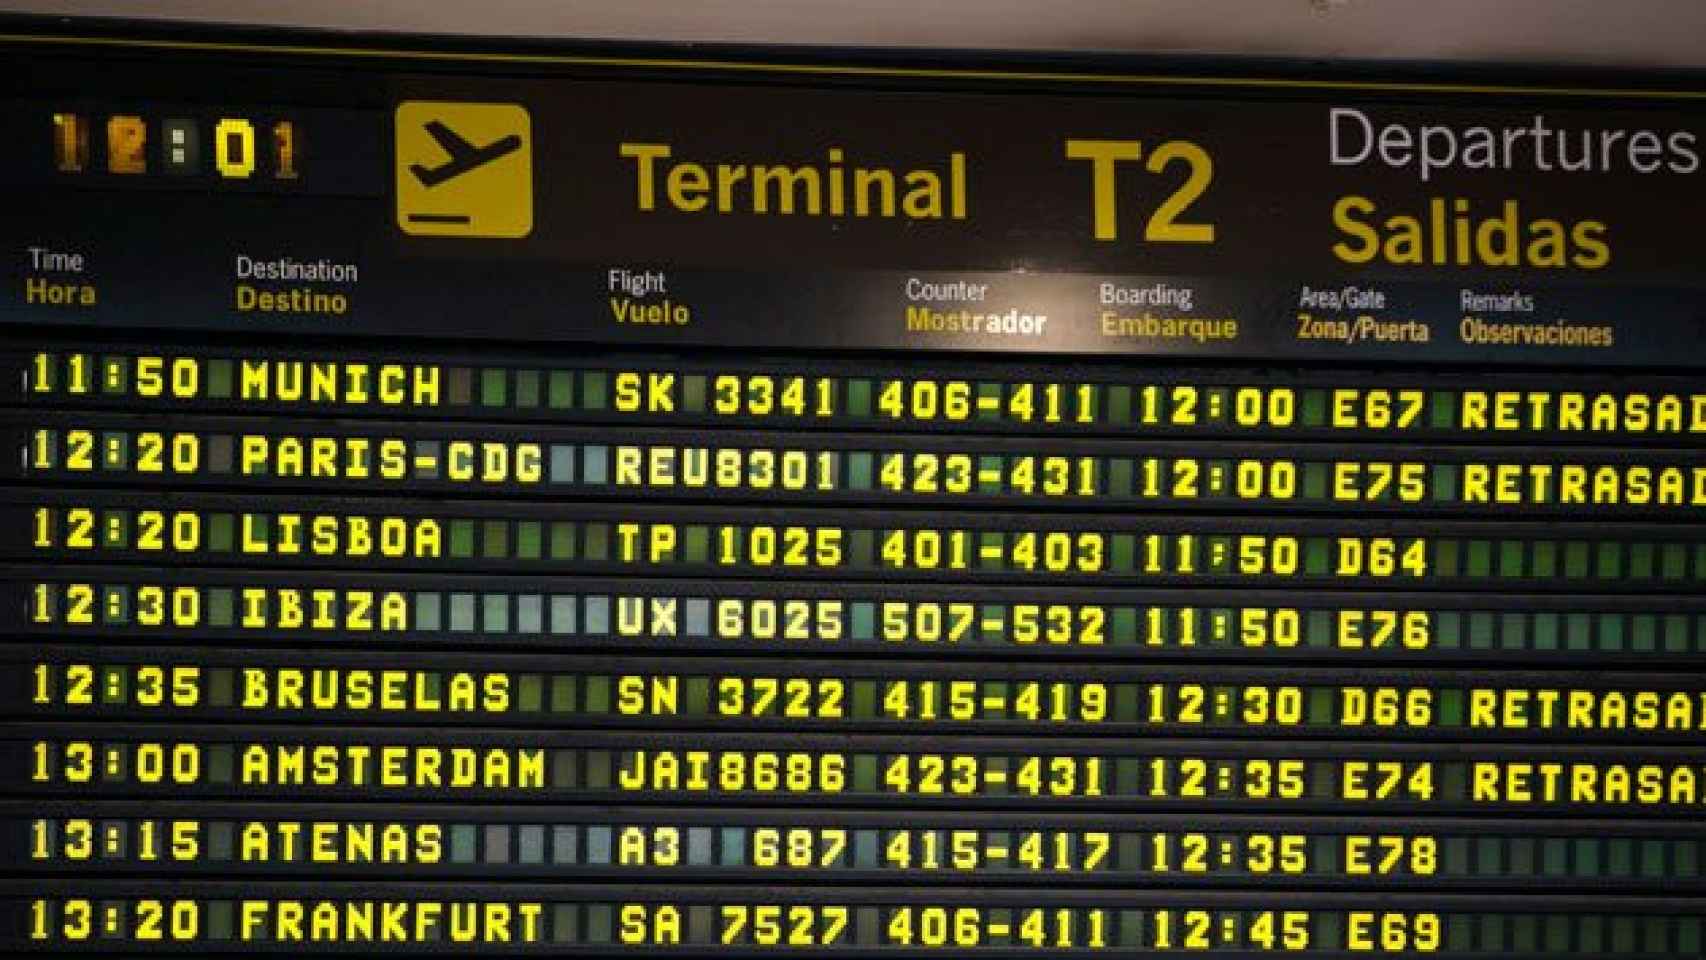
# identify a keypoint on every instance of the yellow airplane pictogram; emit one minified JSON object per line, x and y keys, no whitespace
{"x":464,"y":169}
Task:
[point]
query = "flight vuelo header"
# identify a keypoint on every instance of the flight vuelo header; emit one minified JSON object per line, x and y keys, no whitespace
{"x":1446,"y":229}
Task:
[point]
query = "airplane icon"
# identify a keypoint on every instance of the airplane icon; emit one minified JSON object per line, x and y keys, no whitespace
{"x":463,"y":169}
{"x":464,"y":156}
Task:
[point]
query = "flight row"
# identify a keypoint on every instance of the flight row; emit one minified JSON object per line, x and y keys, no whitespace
{"x":606,"y":464}
{"x":929,"y":394}
{"x":579,"y":766}
{"x":520,"y":538}
{"x":416,"y":611}
{"x":503,"y":920}
{"x":483,"y":690}
{"x":425,"y":841}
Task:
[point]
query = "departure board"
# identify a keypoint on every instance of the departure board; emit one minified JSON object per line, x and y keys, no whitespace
{"x":496,"y":500}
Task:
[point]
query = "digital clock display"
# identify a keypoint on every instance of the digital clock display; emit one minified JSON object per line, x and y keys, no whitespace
{"x":461,"y":501}
{"x":136,"y":145}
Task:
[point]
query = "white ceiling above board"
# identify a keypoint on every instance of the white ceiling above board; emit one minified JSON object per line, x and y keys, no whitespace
{"x":1631,"y":33}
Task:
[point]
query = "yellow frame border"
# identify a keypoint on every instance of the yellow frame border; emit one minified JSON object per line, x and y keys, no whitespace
{"x":736,"y":67}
